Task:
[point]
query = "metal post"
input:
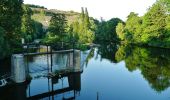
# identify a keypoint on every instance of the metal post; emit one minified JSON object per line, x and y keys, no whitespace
{"x":39,"y":47}
{"x":73,"y":55}
{"x":51,"y":57}
{"x":47,"y":49}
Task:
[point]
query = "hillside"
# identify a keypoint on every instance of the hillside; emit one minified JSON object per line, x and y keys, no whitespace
{"x":43,"y":15}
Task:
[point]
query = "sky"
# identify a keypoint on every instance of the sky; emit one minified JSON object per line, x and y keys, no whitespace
{"x":106,"y":9}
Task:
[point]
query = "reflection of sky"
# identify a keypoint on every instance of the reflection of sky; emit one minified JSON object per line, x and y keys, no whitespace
{"x":42,"y":85}
{"x":38,"y":65}
{"x":112,"y":81}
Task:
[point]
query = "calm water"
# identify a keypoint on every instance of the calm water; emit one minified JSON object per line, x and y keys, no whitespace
{"x":110,"y":72}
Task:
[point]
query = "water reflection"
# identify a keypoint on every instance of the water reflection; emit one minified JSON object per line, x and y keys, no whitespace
{"x":49,"y":76}
{"x":107,"y":51}
{"x":154,"y":64}
{"x":51,"y":89}
{"x":134,"y":68}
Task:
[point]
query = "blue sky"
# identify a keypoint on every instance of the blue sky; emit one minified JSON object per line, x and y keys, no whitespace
{"x":98,"y":8}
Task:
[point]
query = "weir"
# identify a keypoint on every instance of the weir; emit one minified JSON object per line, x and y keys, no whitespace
{"x":55,"y":63}
{"x":53,"y":69}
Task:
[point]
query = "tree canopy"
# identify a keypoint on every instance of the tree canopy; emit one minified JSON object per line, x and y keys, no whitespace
{"x":151,"y":29}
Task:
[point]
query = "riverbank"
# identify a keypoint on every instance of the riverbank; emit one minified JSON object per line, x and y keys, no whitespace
{"x":146,"y":45}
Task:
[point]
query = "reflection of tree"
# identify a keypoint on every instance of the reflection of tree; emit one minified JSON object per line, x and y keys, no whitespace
{"x":122,"y":52}
{"x":108,"y":51}
{"x":90,"y":56}
{"x":154,"y":64}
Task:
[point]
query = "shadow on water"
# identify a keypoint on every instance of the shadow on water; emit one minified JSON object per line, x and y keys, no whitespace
{"x":5,"y":66}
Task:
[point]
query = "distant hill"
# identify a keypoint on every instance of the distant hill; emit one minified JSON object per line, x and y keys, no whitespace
{"x":43,"y":15}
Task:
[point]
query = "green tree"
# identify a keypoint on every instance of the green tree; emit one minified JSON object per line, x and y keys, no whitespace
{"x":10,"y":19}
{"x":86,"y":19}
{"x":82,"y":15}
{"x":10,"y":25}
{"x":154,"y":22}
{"x":57,"y":27}
{"x":4,"y":47}
{"x":133,"y":28}
{"x":151,"y":29}
{"x":168,"y":24}
{"x":27,"y":27}
{"x":166,"y":4}
{"x":84,"y":28}
{"x":39,"y":31}
{"x":120,"y":31}
{"x":107,"y":30}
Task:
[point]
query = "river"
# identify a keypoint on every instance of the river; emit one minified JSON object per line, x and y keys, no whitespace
{"x":110,"y":72}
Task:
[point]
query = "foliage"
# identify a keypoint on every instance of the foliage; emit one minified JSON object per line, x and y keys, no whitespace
{"x":57,"y":28}
{"x":35,"y":6}
{"x":154,"y":24}
{"x":151,"y":29}
{"x":120,"y":31}
{"x":4,"y":47}
{"x":133,"y":27}
{"x":27,"y":24}
{"x":30,"y":29}
{"x":107,"y":30}
{"x":39,"y":31}
{"x":83,"y":28}
{"x":166,"y":4}
{"x":10,"y":25}
{"x":10,"y":19}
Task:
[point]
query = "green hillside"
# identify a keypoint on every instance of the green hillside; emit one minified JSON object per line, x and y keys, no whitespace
{"x":43,"y":15}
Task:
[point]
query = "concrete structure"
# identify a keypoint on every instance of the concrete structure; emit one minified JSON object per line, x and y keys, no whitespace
{"x":64,"y":60}
{"x":67,"y":61}
{"x":18,"y":68}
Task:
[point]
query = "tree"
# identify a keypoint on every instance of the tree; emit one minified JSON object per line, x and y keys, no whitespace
{"x":82,"y":15}
{"x":4,"y":47}
{"x":10,"y":26}
{"x":166,"y":4}
{"x":133,"y":28}
{"x":57,"y":27}
{"x":38,"y":28}
{"x":120,"y":31}
{"x":154,"y":22}
{"x":10,"y":19}
{"x":30,"y":28}
{"x":107,"y":30}
{"x":84,"y":28}
{"x":86,"y":19}
{"x":27,"y":27}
